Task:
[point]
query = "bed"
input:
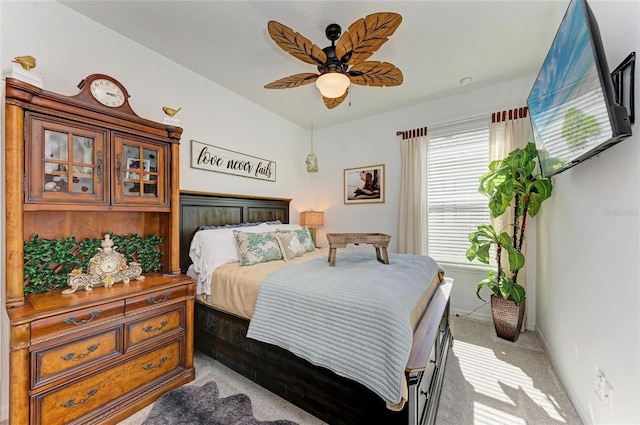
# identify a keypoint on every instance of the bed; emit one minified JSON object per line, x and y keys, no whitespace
{"x":321,"y":392}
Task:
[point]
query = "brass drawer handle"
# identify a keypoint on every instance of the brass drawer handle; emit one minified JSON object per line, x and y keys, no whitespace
{"x":150,"y":366}
{"x":152,"y":329}
{"x":72,"y":355}
{"x":72,"y":320}
{"x":152,"y":300}
{"x":73,"y":403}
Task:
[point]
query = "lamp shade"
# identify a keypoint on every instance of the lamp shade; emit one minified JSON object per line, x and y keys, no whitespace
{"x":312,"y":219}
{"x":332,"y":84}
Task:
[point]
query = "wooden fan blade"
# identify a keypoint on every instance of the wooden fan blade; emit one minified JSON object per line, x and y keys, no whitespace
{"x":365,"y":36}
{"x":373,"y":73}
{"x":292,"y":81}
{"x":295,"y":44}
{"x":331,"y":103}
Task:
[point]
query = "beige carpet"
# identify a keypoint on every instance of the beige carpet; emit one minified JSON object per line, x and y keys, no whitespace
{"x":491,"y":381}
{"x":488,"y":381}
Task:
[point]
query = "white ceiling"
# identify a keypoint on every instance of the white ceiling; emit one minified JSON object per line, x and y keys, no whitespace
{"x":437,"y":44}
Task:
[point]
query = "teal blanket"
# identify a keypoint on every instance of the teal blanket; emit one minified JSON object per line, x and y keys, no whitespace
{"x":354,"y":318}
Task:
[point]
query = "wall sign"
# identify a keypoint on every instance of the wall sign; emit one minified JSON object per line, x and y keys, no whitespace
{"x":213,"y":158}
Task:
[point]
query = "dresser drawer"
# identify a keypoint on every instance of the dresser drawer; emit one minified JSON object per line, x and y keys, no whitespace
{"x":425,"y":385}
{"x":151,"y":327}
{"x":79,"y":399}
{"x":75,"y":321}
{"x":142,"y":303}
{"x":62,"y":360}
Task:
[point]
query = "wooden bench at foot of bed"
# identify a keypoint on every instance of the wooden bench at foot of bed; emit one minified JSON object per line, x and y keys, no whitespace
{"x":332,"y":398}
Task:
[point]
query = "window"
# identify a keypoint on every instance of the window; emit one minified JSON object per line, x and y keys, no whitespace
{"x":457,"y":156}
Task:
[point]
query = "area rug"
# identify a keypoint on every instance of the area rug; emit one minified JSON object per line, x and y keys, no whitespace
{"x":191,"y":405}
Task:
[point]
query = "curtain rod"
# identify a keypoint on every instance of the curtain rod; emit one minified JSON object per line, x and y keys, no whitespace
{"x":512,"y":114}
{"x":416,"y":132}
{"x":509,"y":114}
{"x":442,"y":124}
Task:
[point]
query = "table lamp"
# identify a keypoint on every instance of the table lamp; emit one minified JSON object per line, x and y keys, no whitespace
{"x":312,"y":219}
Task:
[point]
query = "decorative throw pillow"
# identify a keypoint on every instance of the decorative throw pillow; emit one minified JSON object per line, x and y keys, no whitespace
{"x":303,"y":236}
{"x":254,"y":248}
{"x":305,"y":240}
{"x":289,"y":245}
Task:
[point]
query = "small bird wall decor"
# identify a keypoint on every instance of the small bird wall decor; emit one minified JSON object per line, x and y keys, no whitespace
{"x":170,"y":112}
{"x":27,"y":62}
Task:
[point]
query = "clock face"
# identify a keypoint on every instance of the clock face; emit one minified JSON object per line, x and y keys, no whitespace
{"x":109,"y":265}
{"x":107,"y":92}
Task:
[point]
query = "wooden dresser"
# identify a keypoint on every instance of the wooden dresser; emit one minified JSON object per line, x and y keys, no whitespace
{"x":82,"y":166}
{"x":98,"y":356}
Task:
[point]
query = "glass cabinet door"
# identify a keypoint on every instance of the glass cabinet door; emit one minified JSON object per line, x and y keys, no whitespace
{"x":140,"y":172}
{"x":65,"y":163}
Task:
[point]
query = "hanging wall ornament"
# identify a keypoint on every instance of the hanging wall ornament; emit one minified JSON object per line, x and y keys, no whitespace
{"x":312,"y":161}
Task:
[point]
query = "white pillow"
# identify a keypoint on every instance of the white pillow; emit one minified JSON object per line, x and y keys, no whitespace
{"x":213,"y":248}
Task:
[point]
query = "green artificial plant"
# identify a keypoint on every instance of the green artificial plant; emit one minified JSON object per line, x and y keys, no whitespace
{"x":511,"y":182}
{"x":47,"y":262}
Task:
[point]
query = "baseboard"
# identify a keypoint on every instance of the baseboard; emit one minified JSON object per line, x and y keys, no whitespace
{"x":582,"y":413}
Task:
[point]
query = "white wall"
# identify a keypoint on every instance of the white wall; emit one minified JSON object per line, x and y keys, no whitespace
{"x":588,"y":289}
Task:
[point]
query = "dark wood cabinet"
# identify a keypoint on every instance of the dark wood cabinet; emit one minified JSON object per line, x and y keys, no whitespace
{"x":79,"y":167}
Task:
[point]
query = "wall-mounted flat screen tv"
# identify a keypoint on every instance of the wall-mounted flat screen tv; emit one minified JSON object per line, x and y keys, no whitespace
{"x":572,"y":102}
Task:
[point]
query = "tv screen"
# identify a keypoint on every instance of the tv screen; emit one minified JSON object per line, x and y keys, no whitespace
{"x":572,"y":102}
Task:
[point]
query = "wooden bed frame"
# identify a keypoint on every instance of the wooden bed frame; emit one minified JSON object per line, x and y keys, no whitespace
{"x":332,"y":398}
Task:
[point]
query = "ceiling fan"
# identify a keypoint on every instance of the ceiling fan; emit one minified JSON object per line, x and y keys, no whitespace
{"x":343,"y":62}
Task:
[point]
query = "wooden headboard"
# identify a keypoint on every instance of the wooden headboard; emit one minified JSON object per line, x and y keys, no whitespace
{"x":215,"y":209}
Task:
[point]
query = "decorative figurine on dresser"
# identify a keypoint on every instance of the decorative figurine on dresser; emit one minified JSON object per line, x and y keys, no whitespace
{"x":81,"y":167}
{"x":107,"y":267}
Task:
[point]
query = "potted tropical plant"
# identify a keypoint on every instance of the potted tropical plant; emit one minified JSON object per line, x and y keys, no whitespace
{"x":512,"y":182}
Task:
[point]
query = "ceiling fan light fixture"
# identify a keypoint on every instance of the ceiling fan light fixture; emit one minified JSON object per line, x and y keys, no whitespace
{"x":333,"y":84}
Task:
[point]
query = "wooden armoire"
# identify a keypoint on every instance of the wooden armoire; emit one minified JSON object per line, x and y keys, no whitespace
{"x":83,"y":166}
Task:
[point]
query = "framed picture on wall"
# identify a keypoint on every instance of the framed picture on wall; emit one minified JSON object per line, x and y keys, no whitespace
{"x":364,"y":185}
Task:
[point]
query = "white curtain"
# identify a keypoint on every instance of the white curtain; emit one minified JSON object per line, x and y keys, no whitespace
{"x":509,"y":130}
{"x":412,"y":223}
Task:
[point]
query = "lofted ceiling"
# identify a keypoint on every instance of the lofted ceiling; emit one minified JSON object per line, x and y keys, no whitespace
{"x":437,"y":44}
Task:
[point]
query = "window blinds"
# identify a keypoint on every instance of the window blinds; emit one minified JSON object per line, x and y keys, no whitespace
{"x":455,"y":162}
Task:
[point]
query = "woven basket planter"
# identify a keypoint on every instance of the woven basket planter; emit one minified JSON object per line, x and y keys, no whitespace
{"x":507,"y":317}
